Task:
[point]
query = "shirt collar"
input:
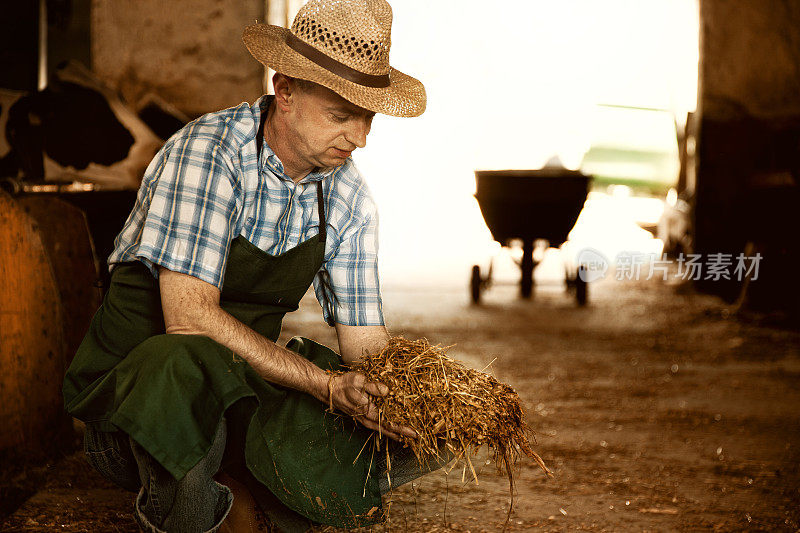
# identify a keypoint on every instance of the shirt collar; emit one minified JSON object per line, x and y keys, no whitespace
{"x":272,"y":161}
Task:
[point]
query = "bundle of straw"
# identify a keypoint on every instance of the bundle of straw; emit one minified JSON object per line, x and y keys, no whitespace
{"x":448,"y":405}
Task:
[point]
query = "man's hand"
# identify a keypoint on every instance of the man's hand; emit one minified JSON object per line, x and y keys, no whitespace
{"x":351,"y":393}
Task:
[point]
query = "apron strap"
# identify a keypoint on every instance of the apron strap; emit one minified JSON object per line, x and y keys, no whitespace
{"x":323,"y":226}
{"x":260,"y":134}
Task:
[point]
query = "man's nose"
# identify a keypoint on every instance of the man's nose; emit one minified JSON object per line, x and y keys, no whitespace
{"x":357,"y":133}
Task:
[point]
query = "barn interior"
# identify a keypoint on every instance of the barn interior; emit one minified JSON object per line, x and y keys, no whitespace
{"x":597,"y":206}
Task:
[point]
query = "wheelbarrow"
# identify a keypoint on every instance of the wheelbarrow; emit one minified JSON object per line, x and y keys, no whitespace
{"x":531,"y":205}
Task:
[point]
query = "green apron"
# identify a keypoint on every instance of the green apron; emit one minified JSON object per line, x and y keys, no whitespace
{"x":170,"y":391}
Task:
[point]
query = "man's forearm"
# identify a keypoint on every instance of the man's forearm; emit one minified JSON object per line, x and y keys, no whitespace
{"x":191,"y":307}
{"x":355,"y":341}
{"x":271,"y":361}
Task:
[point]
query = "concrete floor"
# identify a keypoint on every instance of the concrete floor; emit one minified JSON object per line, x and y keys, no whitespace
{"x":656,"y":411}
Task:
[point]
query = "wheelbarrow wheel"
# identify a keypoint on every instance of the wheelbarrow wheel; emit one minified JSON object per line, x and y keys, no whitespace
{"x":527,"y":266}
{"x":581,"y":286}
{"x":475,"y":284}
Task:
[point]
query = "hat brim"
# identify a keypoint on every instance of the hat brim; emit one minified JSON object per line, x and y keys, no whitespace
{"x":404,"y":97}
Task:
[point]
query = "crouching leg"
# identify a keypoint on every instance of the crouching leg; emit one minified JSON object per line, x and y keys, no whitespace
{"x":191,"y":504}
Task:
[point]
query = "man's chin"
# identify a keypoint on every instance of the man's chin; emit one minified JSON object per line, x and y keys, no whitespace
{"x":333,"y":161}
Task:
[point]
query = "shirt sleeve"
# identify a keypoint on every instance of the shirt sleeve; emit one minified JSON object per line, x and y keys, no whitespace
{"x":193,"y":211}
{"x":347,"y":286}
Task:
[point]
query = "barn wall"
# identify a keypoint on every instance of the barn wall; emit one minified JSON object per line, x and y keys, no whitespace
{"x":189,"y":52}
{"x":749,"y":144}
{"x":751,"y":58}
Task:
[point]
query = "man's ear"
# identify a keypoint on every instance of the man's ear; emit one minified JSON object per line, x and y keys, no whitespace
{"x":284,"y":89}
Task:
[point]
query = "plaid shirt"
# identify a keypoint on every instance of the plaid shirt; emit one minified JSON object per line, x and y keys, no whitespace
{"x":207,"y":185}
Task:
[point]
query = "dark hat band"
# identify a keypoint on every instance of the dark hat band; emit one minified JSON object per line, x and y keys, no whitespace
{"x":331,"y":65}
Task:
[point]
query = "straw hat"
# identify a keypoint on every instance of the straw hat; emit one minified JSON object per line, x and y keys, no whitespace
{"x":343,"y":45}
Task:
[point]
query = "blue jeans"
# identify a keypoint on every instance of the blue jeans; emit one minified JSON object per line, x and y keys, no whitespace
{"x":197,"y":503}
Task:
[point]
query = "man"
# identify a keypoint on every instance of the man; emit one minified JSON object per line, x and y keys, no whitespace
{"x":179,"y":379}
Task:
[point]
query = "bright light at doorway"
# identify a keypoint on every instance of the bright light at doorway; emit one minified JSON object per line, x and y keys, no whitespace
{"x":511,"y":84}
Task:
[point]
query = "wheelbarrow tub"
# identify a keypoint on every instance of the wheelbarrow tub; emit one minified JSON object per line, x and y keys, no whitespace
{"x":531,"y":204}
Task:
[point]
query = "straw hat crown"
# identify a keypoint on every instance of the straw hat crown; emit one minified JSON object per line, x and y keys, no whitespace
{"x":358,"y":36}
{"x":343,"y":45}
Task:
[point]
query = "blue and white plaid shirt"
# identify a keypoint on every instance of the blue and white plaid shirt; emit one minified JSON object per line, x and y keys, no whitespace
{"x":207,"y":185}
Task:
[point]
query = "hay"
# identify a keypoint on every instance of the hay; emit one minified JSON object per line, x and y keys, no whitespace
{"x":451,"y":407}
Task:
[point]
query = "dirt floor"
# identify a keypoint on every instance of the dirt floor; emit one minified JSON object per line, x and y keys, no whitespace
{"x":656,"y":409}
